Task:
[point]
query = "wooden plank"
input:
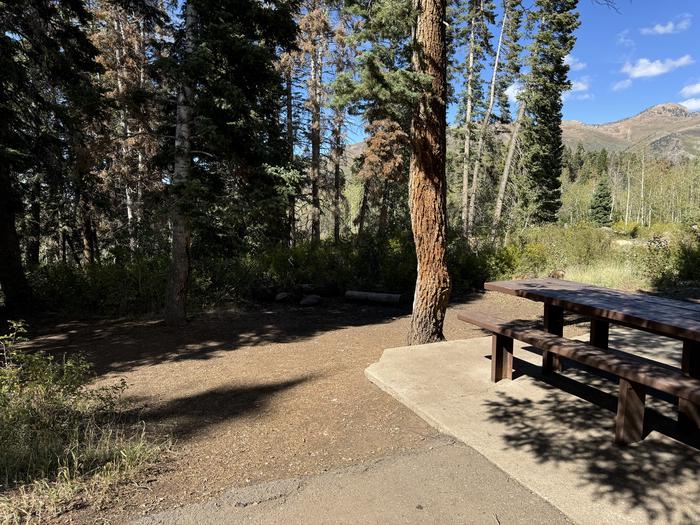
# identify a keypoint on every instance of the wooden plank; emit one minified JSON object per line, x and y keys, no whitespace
{"x":629,"y":421}
{"x":607,"y":297}
{"x":606,"y":304}
{"x":658,"y":377}
{"x":600,"y":331}
{"x":501,"y":358}
{"x":655,"y":300}
{"x":554,"y":324}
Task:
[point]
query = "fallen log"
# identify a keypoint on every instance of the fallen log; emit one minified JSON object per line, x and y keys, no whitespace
{"x":373,"y":297}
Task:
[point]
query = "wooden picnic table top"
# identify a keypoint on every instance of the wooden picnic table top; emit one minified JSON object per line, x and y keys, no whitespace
{"x":670,"y":317}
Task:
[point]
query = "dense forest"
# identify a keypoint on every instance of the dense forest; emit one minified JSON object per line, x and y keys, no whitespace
{"x":157,"y":154}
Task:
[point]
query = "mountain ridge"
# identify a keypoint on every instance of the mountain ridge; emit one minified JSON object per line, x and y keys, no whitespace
{"x":667,"y":130}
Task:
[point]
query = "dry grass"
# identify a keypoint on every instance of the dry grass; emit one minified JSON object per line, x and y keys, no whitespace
{"x":620,"y":273}
{"x":64,"y":443}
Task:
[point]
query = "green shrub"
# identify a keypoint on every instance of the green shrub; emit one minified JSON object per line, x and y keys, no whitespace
{"x":631,"y":229}
{"x":659,"y":261}
{"x":57,"y":434}
{"x":554,"y":247}
{"x":108,"y":289}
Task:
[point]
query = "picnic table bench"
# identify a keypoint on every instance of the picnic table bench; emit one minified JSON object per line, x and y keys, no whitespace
{"x":667,"y":317}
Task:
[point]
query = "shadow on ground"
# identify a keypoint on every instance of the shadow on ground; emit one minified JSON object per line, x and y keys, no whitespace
{"x":645,"y":475}
{"x":184,"y":417}
{"x":121,"y":345}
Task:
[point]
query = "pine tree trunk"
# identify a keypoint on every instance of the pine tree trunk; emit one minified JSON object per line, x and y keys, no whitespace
{"x":86,"y":230}
{"x":33,"y":241}
{"x":482,"y":137}
{"x":384,"y":209}
{"x":337,"y":180}
{"x":512,"y":143}
{"x":14,"y":283}
{"x":315,"y":144}
{"x":289,"y":106}
{"x":176,"y":293}
{"x":467,"y":129}
{"x":427,"y":183}
{"x":363,"y":207}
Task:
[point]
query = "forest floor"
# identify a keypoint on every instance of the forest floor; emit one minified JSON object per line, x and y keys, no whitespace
{"x":255,"y":395}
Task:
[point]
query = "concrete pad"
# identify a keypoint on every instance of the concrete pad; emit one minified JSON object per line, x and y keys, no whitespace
{"x":554,"y":435}
{"x":448,"y":483}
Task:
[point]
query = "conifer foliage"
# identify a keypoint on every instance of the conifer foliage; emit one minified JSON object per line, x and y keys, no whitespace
{"x":601,"y":205}
{"x":555,"y":22}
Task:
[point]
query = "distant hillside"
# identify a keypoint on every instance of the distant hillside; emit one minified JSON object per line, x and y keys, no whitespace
{"x":668,"y":130}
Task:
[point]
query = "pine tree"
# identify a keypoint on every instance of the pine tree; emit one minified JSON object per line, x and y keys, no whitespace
{"x":485,"y":122}
{"x":428,"y":181}
{"x":343,"y":58}
{"x":556,"y":21}
{"x":511,"y":76}
{"x":474,"y":33}
{"x":227,"y":134}
{"x":46,"y":101}
{"x":314,"y":36}
{"x":601,"y":204}
{"x":384,"y":93}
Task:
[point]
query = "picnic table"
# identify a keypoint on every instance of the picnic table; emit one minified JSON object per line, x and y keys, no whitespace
{"x":667,"y":317}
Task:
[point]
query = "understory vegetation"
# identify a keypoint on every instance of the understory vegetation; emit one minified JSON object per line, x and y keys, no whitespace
{"x":63,"y":442}
{"x":628,"y":257}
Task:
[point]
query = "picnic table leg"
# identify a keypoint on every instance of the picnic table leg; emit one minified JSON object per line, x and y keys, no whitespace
{"x":501,"y":358}
{"x":629,"y":421}
{"x":554,"y":324}
{"x":689,"y":413}
{"x":600,"y":330}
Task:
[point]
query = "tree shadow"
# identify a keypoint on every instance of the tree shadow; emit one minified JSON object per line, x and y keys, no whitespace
{"x":558,"y":429}
{"x":185,"y":417}
{"x":117,"y":346}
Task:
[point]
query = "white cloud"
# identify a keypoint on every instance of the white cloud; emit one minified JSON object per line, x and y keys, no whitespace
{"x":579,"y":90}
{"x":574,"y":63}
{"x":622,"y":85}
{"x":652,"y":68}
{"x":513,"y":91}
{"x":693,"y":104}
{"x":623,"y":39}
{"x":669,"y":28}
{"x":690,"y":90}
{"x":580,"y":85}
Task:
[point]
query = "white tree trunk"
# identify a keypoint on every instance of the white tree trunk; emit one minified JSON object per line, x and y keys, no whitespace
{"x":512,"y":143}
{"x":482,"y":135}
{"x":176,"y":293}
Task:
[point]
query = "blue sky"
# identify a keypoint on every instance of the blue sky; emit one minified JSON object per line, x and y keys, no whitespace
{"x":644,"y":54}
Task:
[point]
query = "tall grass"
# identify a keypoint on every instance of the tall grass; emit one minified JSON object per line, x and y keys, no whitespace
{"x":610,"y":273}
{"x":60,"y":439}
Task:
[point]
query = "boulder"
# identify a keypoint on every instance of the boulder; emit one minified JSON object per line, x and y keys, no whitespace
{"x":284,"y":297}
{"x":310,"y":300}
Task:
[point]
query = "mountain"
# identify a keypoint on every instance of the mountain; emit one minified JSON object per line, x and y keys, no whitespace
{"x":667,"y":130}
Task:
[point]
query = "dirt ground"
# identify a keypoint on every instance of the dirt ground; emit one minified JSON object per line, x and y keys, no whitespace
{"x":256,"y":395}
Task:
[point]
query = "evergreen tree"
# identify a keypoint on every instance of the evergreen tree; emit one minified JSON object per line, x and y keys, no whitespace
{"x":46,"y":101}
{"x":556,"y":21}
{"x":428,"y":181}
{"x":226,"y":127}
{"x":475,"y":35}
{"x":510,"y":72}
{"x":601,"y":205}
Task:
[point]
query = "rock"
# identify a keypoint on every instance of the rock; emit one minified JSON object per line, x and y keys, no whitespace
{"x":284,"y":297}
{"x":310,"y":300}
